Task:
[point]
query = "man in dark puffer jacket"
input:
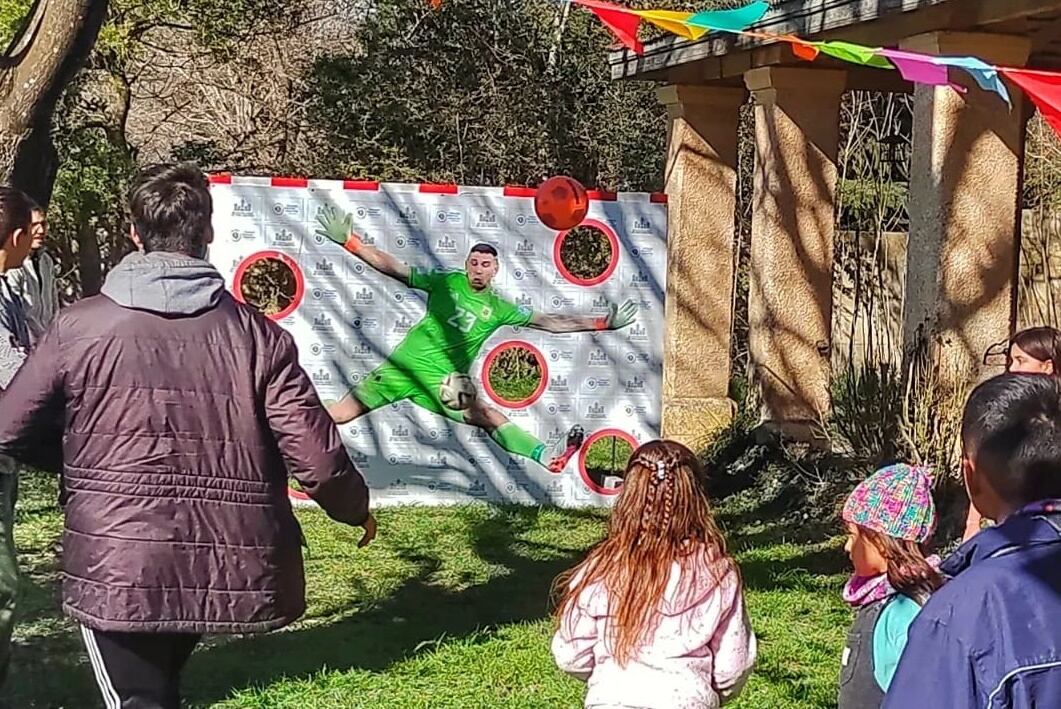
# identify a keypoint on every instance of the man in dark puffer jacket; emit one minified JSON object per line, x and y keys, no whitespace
{"x":176,"y":414}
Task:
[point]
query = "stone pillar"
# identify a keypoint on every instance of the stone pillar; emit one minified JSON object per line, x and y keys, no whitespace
{"x":701,"y":185}
{"x":965,"y":184}
{"x":797,"y":124}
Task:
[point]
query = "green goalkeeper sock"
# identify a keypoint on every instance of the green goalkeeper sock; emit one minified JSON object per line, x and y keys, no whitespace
{"x":518,"y":442}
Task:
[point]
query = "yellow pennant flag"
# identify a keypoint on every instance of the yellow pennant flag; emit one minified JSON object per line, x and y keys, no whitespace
{"x":672,"y":21}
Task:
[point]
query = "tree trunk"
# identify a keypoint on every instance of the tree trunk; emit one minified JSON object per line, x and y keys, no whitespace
{"x":89,"y":262}
{"x":34,"y":70}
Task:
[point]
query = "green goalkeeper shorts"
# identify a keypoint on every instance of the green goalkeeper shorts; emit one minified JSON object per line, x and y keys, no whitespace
{"x":388,"y":383}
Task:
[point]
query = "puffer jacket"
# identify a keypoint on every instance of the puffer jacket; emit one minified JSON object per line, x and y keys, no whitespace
{"x":697,"y":657}
{"x":176,"y":415}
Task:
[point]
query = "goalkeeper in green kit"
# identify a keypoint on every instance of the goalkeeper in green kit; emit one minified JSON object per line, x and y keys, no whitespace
{"x":463,"y":311}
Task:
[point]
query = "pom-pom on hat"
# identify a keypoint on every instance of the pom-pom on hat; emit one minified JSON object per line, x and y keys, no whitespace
{"x":895,"y":500}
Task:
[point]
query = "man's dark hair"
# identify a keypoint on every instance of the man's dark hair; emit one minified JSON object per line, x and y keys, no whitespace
{"x":16,"y":211}
{"x":483,"y":248}
{"x":1011,"y":430}
{"x":171,"y":209}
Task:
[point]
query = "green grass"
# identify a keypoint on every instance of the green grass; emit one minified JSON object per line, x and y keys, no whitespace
{"x":609,"y":455}
{"x":447,"y":609}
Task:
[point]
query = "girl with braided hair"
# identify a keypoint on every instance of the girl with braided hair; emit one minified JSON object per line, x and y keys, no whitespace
{"x":654,"y":616}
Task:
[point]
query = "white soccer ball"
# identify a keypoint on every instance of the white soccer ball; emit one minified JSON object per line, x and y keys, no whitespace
{"x":457,"y":391}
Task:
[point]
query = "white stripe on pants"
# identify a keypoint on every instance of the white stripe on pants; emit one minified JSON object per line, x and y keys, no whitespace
{"x":110,"y":696}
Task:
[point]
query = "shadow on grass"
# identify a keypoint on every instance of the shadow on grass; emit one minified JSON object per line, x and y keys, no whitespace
{"x":51,"y":671}
{"x":409,"y":621}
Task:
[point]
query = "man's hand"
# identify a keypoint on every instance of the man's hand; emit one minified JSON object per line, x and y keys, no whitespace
{"x":621,"y":315}
{"x":338,"y":229}
{"x":370,"y":531}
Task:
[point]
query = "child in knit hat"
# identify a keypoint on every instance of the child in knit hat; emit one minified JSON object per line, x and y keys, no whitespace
{"x":888,"y":517}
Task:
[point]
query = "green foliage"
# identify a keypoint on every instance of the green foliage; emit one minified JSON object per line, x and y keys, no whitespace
{"x":12,"y":18}
{"x":867,"y":411}
{"x":608,"y":456}
{"x":466,"y":94}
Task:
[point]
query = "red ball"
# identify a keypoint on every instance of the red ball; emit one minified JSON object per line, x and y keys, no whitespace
{"x":561,"y":203}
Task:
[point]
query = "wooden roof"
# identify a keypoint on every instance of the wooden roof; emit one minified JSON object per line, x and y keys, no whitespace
{"x":721,"y":58}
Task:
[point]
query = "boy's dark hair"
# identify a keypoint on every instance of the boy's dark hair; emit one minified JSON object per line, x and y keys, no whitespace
{"x":483,"y":248}
{"x":171,"y":209}
{"x":1011,"y":430}
{"x":16,"y":211}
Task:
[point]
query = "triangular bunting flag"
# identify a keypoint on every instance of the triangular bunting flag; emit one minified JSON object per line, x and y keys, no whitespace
{"x":622,"y":22}
{"x":673,"y":22}
{"x":1043,"y":88}
{"x":733,"y":20}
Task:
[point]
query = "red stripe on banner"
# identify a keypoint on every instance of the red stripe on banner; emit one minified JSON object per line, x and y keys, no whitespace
{"x":221,"y":179}
{"x":520,"y":191}
{"x":367,"y":185}
{"x":658,"y":198}
{"x":438,"y":189}
{"x":601,"y":196}
{"x":289,"y":182}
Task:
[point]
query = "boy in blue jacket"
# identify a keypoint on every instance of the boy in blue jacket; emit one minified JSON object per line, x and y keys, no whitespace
{"x":991,"y":637}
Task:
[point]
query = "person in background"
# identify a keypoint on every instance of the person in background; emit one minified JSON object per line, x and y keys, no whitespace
{"x":654,"y":617}
{"x":176,"y":414}
{"x":14,"y":345}
{"x":990,"y":636}
{"x":1035,"y":350}
{"x":35,"y":280}
{"x":889,"y":517}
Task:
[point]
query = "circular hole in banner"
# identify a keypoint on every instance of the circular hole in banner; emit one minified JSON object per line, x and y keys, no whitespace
{"x":270,"y":282}
{"x":515,"y":374}
{"x":603,"y":458}
{"x":588,"y":254}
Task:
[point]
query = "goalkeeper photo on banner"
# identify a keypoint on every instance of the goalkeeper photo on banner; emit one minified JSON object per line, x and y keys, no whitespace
{"x":463,"y":311}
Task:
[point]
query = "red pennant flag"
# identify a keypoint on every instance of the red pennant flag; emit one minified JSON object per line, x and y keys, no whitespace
{"x":623,"y":23}
{"x":1043,"y":88}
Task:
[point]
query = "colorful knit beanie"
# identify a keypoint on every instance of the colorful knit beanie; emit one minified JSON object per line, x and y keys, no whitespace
{"x":897,"y":501}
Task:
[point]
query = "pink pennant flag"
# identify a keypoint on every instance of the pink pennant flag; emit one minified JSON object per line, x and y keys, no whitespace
{"x":622,"y":22}
{"x":919,"y":68}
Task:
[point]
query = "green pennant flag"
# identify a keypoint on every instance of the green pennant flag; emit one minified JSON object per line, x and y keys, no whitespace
{"x":854,"y":53}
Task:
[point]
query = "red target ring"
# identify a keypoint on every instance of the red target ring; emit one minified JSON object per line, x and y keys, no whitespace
{"x":300,"y":282}
{"x":543,"y":367}
{"x":593,"y":438}
{"x":613,"y":263}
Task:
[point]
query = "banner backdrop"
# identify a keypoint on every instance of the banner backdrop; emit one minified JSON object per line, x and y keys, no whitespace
{"x":346,"y":318}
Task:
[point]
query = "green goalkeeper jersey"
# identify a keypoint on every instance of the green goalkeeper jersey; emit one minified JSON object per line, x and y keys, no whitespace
{"x":458,"y":321}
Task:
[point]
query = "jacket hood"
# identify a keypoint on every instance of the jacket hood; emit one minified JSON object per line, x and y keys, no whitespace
{"x":164,"y":283}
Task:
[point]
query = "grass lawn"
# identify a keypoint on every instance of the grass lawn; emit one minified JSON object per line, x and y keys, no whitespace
{"x":448,"y":608}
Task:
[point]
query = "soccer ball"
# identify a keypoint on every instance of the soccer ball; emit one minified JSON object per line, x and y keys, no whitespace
{"x":561,"y":203}
{"x":457,"y":391}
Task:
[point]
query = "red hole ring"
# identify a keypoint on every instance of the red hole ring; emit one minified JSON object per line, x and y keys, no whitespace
{"x":542,"y":366}
{"x":612,"y":265}
{"x":593,"y":438}
{"x":300,"y":283}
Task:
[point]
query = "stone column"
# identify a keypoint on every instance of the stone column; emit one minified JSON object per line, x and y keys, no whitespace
{"x":965,"y":184}
{"x":701,"y":184}
{"x":790,"y":300}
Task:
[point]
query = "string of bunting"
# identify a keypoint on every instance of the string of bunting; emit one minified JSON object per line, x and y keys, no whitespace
{"x":1042,"y":87}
